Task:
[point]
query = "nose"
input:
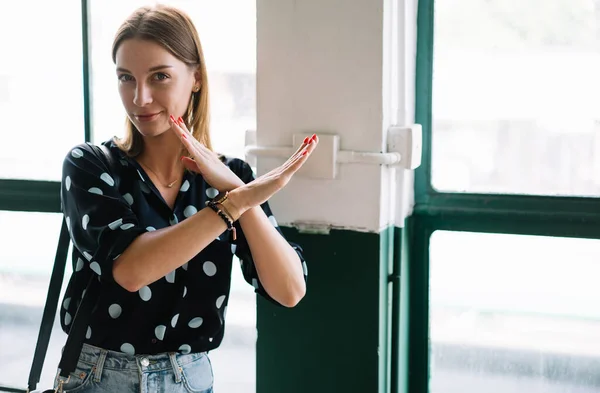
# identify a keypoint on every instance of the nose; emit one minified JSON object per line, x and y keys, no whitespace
{"x":143,"y":95}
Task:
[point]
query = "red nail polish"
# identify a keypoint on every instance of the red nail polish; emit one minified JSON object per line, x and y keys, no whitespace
{"x":305,"y":140}
{"x":304,"y":152}
{"x":180,"y":120}
{"x":314,"y":137}
{"x":183,"y":135}
{"x":172,"y":118}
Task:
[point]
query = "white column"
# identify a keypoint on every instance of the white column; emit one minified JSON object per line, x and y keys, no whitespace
{"x":335,"y":67}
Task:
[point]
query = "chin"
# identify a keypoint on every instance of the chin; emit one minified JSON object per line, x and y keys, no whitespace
{"x":148,"y":130}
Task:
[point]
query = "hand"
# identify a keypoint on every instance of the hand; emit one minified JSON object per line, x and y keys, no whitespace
{"x":261,"y":189}
{"x":204,"y":161}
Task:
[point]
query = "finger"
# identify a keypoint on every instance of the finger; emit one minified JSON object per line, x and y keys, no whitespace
{"x":186,"y":138}
{"x":183,"y":126}
{"x":307,"y":141}
{"x":199,"y":145}
{"x":296,"y":162}
{"x":176,"y":127}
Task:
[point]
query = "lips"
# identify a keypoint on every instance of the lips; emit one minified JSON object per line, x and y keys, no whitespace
{"x":147,"y":116}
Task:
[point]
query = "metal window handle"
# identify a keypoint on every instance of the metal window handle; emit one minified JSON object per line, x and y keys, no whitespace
{"x":403,"y":145}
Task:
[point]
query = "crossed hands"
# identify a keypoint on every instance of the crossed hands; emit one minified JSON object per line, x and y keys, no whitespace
{"x":206,"y":162}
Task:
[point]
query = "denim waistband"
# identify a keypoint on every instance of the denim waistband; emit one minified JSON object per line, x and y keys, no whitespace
{"x":106,"y":359}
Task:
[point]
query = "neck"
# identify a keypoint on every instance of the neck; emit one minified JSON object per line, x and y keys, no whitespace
{"x":162,"y":155}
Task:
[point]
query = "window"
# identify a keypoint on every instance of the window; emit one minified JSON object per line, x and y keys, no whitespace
{"x":512,"y":312}
{"x":25,"y":268}
{"x":515,"y":93}
{"x":504,"y":240}
{"x":40,"y":88}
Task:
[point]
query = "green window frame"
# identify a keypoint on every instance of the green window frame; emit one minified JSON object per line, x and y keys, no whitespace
{"x":486,"y":213}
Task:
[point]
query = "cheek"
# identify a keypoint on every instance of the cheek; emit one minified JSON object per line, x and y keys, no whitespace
{"x":173,"y":98}
{"x":126,"y":93}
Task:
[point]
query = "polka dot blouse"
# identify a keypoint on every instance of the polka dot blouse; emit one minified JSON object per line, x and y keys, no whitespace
{"x":181,"y":312}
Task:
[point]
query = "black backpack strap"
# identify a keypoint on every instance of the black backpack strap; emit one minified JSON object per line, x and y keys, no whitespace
{"x":72,"y":349}
{"x":56,"y":280}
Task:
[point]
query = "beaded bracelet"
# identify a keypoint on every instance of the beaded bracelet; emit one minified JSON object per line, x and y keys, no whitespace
{"x":228,"y":220}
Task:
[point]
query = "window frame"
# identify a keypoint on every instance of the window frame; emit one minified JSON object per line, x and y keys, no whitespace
{"x":486,"y":213}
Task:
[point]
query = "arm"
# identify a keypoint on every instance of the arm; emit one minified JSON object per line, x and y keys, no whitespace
{"x":153,"y":255}
{"x":104,"y":229}
{"x":277,"y":263}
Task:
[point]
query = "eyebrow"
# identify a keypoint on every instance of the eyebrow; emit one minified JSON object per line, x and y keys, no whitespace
{"x":156,"y":68}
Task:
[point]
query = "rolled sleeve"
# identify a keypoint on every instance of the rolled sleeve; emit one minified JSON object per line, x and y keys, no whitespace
{"x":100,"y":221}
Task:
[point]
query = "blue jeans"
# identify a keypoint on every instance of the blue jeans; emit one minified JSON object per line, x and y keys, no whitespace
{"x":100,"y":370}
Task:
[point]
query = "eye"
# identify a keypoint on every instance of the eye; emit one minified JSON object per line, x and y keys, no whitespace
{"x":125,"y":78}
{"x":161,"y":76}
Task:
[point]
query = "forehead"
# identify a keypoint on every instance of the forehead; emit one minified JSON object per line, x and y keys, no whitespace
{"x":139,"y":55}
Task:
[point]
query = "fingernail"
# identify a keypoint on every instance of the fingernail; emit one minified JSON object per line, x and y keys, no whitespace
{"x":183,"y":135}
{"x":305,"y":140}
{"x":180,"y":120}
{"x":171,"y":117}
{"x":314,"y":137}
{"x":304,"y":152}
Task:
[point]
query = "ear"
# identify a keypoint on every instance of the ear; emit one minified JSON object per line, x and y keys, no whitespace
{"x":198,"y":77}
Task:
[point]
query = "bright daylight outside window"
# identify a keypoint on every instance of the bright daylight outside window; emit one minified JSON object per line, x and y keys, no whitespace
{"x":40,"y":88}
{"x":227,"y":32}
{"x":515,"y":97}
{"x":514,"y":313}
{"x":25,"y":266}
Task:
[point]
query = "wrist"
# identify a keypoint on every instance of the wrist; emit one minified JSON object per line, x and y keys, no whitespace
{"x":235,"y":203}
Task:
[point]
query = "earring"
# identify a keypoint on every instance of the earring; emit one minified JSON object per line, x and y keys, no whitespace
{"x":196,"y":89}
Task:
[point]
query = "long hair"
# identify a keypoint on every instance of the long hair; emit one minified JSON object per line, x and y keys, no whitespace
{"x":173,"y":30}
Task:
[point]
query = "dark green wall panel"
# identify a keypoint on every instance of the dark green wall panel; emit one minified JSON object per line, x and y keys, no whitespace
{"x":332,"y":341}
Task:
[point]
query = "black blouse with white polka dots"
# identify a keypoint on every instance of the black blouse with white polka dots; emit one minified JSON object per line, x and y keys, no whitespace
{"x":181,"y":312}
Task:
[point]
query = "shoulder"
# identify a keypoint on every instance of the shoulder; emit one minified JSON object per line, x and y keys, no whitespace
{"x":83,"y":152}
{"x":238,"y":166}
{"x":87,"y":156}
{"x":90,"y":151}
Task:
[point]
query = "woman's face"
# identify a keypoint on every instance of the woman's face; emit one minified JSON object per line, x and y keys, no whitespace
{"x":153,"y":85}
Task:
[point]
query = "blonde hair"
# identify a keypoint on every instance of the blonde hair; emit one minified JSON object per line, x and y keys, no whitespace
{"x":173,"y":30}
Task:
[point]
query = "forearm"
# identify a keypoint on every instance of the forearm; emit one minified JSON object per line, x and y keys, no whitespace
{"x":153,"y":255}
{"x":277,"y":263}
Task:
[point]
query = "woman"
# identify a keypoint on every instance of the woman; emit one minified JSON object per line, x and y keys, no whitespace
{"x":164,"y":258}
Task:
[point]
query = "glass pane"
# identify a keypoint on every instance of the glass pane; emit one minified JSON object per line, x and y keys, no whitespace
{"x":514,"y":313}
{"x":41,"y":103}
{"x":515,"y":93}
{"x":24,"y":277}
{"x":228,"y":35}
